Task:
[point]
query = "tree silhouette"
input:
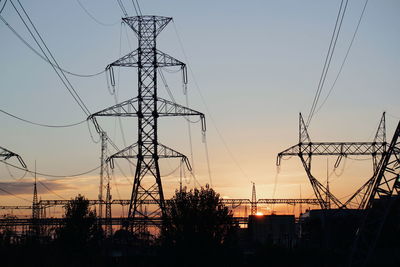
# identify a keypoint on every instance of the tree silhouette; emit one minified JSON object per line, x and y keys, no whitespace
{"x":80,"y":229}
{"x":197,"y":223}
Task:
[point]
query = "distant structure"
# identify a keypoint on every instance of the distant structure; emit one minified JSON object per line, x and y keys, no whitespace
{"x":253,"y":200}
{"x":147,"y":107}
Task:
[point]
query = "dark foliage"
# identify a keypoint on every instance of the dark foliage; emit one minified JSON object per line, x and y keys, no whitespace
{"x":80,"y":236}
{"x":197,"y":225}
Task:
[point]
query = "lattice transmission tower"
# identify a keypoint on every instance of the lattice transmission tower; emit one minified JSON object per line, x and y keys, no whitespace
{"x":253,"y":200}
{"x":306,"y":149}
{"x":147,"y":107}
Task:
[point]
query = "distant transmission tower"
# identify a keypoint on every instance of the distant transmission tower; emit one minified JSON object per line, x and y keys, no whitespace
{"x":105,"y":183}
{"x":103,"y":170}
{"x":35,"y":209}
{"x":253,"y":200}
{"x":147,"y":107}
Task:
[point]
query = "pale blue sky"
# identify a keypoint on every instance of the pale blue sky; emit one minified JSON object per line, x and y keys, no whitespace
{"x":257,"y":64}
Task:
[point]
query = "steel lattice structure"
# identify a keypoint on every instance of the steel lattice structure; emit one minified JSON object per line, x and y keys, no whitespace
{"x":43,"y":203}
{"x":306,"y":149}
{"x":147,"y":107}
{"x":385,"y":191}
{"x":6,"y":154}
{"x":253,"y":200}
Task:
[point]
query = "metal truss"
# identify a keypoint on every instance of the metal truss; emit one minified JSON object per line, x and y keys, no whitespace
{"x":386,"y":191}
{"x":289,"y":201}
{"x":165,"y":108}
{"x":147,"y":107}
{"x":57,"y":222}
{"x":163,"y":152}
{"x":125,"y":202}
{"x":105,"y":183}
{"x":6,"y":154}
{"x":253,"y":207}
{"x":305,"y":149}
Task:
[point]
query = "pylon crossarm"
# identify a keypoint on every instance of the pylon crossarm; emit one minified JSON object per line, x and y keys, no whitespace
{"x":159,"y":21}
{"x":127,"y":153}
{"x":131,"y":60}
{"x":166,"y":152}
{"x":334,"y":149}
{"x":127,"y":108}
{"x":168,"y":108}
{"x":165,"y":60}
{"x":165,"y":108}
{"x":6,"y":154}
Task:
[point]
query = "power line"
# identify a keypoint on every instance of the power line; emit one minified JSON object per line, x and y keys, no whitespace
{"x":41,"y":124}
{"x":134,"y":6}
{"x":121,"y":5}
{"x":51,"y":191}
{"x":328,"y":58}
{"x":66,"y":82}
{"x":42,"y":57}
{"x":56,"y":67}
{"x":93,"y":17}
{"x":4,"y":5}
{"x":14,"y":195}
{"x":206,"y":106}
{"x":345,"y":58}
{"x":51,"y":175}
{"x":140,"y":10}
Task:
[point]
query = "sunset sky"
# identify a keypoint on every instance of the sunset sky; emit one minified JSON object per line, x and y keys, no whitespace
{"x":256,"y":65}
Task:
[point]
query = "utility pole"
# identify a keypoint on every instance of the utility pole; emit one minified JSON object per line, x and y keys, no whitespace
{"x":147,"y":107}
{"x":253,"y":200}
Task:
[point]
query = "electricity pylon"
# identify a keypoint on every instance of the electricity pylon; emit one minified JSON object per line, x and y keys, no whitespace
{"x":36,"y":209}
{"x":305,"y":149}
{"x":147,"y":107}
{"x":253,"y":200}
{"x":103,"y":170}
{"x":385,"y":192}
{"x":105,"y":179}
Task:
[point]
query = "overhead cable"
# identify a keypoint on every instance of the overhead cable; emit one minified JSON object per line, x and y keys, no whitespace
{"x":60,"y":74}
{"x":50,"y":175}
{"x":4,"y":5}
{"x":43,"y":58}
{"x":206,"y":106}
{"x":121,"y":5}
{"x":328,"y":58}
{"x":345,"y":58}
{"x":93,"y":17}
{"x":51,"y":191}
{"x":42,"y":124}
{"x":134,"y":6}
{"x":14,"y":195}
